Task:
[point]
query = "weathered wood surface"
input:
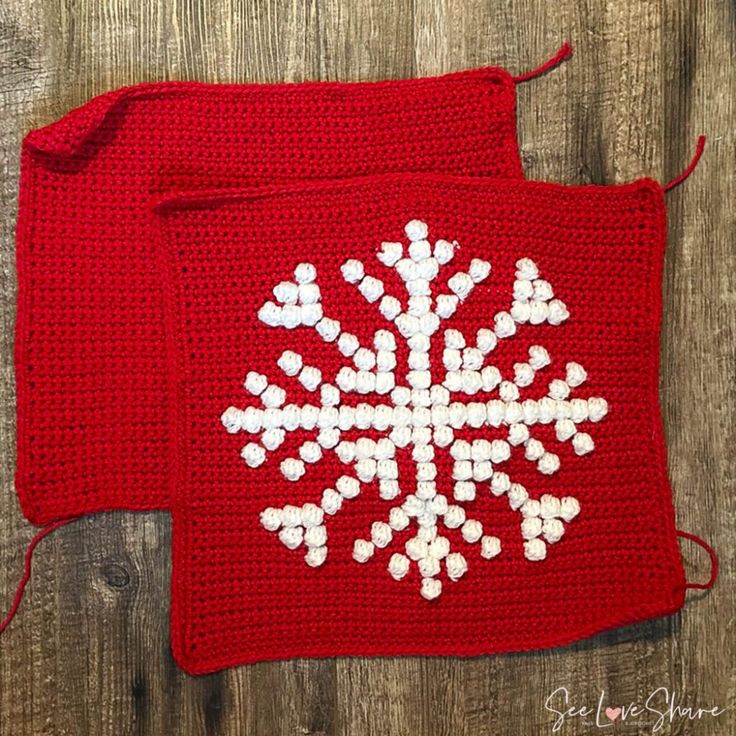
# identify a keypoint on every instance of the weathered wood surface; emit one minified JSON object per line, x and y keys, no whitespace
{"x":89,"y":652}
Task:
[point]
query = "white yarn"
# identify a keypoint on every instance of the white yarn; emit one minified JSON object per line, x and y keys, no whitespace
{"x":331,"y":501}
{"x":291,"y":537}
{"x":472,"y":531}
{"x":271,"y":519}
{"x":428,"y":567}
{"x":446,"y":305}
{"x":389,"y":307}
{"x":362,"y":550}
{"x":290,"y":362}
{"x":352,"y":271}
{"x":286,"y":292}
{"x":431,"y":588}
{"x":535,"y":550}
{"x":490,"y":547}
{"x":309,"y":293}
{"x":416,"y":230}
{"x":444,"y":251}
{"x":371,"y":288}
{"x":253,"y":454}
{"x":583,"y":443}
{"x":398,"y":566}
{"x":273,"y":396}
{"x":419,"y":250}
{"x":305,"y":273}
{"x":390,"y":253}
{"x":456,"y":566}
{"x":347,"y":344}
{"x":328,"y":329}
{"x":347,"y":487}
{"x":538,"y":357}
{"x":316,"y":556}
{"x":315,"y":536}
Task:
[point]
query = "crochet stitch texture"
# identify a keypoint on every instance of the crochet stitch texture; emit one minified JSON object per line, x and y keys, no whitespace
{"x":94,"y":418}
{"x":430,"y":396}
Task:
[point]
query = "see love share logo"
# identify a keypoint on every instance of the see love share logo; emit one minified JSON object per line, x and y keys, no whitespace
{"x":659,"y":708}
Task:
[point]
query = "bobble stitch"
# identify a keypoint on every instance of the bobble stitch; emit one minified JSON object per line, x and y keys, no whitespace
{"x":271,"y":519}
{"x":255,"y":383}
{"x":535,"y":550}
{"x":461,"y":285}
{"x":464,"y":491}
{"x":362,"y":550}
{"x":390,"y":253}
{"x":575,"y":375}
{"x":331,"y":501}
{"x":538,"y":313}
{"x":564,"y":429}
{"x":428,"y":567}
{"x":482,"y":471}
{"x":286,"y":292}
{"x":517,"y":496}
{"x":364,"y":359}
{"x":419,"y":250}
{"x":316,"y":556}
{"x":531,"y":527}
{"x":292,"y":469}
{"x":542,"y":290}
{"x":523,"y":290}
{"x":557,"y":312}
{"x":500,"y":484}
{"x":398,"y":566}
{"x":444,"y":251}
{"x":526,"y":269}
{"x":490,"y":547}
{"x":456,"y":566}
{"x":291,"y":537}
{"x":597,"y":409}
{"x":389,"y":307}
{"x":352,"y":271}
{"x":454,"y":517}
{"x":305,"y":273}
{"x":328,"y":329}
{"x":472,"y":531}
{"x":446,"y":305}
{"x":431,"y":588}
{"x":347,"y":344}
{"x":521,"y":312}
{"x":504,"y":325}
{"x":500,"y":451}
{"x":366,"y":470}
{"x":273,"y":396}
{"x":253,"y":454}
{"x":309,"y":293}
{"x":381,"y":534}
{"x":479,"y":270}
{"x":538,"y":357}
{"x":443,"y":436}
{"x":315,"y":536}
{"x":290,"y":363}
{"x":348,"y":487}
{"x":311,"y":515}
{"x":310,"y":452}
{"x":416,"y":230}
{"x":569,"y":508}
{"x":552,"y":530}
{"x":371,"y":288}
{"x":388,"y":489}
{"x":559,"y":390}
{"x":232,"y":420}
{"x":583,"y":443}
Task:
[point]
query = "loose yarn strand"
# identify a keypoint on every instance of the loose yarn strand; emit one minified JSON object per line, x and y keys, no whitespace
{"x":690,"y":168}
{"x":27,"y":569}
{"x":563,"y":54}
{"x":713,"y":562}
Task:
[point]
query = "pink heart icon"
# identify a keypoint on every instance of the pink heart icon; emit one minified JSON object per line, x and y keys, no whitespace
{"x":613,"y":713}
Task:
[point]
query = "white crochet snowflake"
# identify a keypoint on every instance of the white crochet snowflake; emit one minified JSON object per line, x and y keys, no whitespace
{"x":405,"y":409}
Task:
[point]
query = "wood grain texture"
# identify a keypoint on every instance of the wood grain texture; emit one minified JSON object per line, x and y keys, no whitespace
{"x":89,"y":651}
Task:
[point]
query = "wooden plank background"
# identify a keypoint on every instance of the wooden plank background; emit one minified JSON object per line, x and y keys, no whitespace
{"x":89,"y":651}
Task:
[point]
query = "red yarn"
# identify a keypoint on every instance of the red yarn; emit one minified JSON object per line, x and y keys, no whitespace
{"x":563,"y":54}
{"x":690,"y":167}
{"x":713,"y":562}
{"x":94,"y":421}
{"x":27,"y":570}
{"x":240,"y":595}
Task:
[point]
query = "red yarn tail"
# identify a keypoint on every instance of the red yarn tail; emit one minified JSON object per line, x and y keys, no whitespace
{"x":27,"y":569}
{"x":690,"y":168}
{"x":713,"y":562}
{"x":563,"y":54}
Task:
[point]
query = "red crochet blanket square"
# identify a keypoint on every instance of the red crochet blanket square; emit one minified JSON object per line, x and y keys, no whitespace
{"x":93,"y":415}
{"x":416,"y":415}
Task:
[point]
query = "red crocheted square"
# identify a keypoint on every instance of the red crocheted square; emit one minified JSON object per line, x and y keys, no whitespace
{"x":416,"y":415}
{"x":93,"y":418}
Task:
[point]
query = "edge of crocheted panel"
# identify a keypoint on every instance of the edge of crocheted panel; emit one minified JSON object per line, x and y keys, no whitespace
{"x":65,"y":137}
